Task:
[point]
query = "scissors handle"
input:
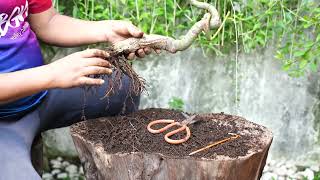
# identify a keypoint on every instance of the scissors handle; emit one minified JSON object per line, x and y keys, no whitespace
{"x":170,"y":123}
{"x":179,"y":141}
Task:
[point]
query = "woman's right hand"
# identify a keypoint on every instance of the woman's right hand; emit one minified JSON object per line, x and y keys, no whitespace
{"x":73,"y":70}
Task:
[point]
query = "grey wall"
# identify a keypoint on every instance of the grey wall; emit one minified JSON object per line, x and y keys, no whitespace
{"x":255,"y":87}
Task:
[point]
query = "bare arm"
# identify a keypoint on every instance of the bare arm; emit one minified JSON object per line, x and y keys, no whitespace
{"x":126,"y":38}
{"x":64,"y":73}
{"x":61,"y":30}
{"x":15,"y":85}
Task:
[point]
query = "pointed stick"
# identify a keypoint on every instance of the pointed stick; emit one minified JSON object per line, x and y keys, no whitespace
{"x":234,"y":136}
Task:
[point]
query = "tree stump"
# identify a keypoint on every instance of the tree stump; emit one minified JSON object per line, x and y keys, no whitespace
{"x":121,"y":148}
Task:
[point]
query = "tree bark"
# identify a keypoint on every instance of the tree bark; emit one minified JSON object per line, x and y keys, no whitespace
{"x":101,"y":165}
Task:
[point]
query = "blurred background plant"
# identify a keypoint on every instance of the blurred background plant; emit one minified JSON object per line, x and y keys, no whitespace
{"x":290,"y":25}
{"x":176,"y":104}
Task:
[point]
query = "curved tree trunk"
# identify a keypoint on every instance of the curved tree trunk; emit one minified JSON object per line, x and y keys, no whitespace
{"x":101,"y":165}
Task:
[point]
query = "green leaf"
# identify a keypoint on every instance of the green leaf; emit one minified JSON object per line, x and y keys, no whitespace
{"x":176,"y":103}
{"x":286,"y":67}
{"x":313,"y":66}
{"x":299,"y":53}
{"x":303,"y":63}
{"x":318,"y":38}
{"x":309,"y":44}
{"x":279,"y":55}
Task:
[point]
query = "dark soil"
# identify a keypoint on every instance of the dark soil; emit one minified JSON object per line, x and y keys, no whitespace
{"x":129,"y":134}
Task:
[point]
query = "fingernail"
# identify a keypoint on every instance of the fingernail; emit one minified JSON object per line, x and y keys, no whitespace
{"x":106,"y":54}
{"x":101,"y":81}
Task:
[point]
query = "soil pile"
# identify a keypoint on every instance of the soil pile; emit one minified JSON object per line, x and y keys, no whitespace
{"x":123,"y":134}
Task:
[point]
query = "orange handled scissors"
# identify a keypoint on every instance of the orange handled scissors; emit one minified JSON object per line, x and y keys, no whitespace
{"x":171,"y":123}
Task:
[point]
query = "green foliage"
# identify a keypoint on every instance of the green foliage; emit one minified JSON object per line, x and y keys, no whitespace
{"x":317,"y":176}
{"x":176,"y":103}
{"x":302,"y":34}
{"x":291,"y":25}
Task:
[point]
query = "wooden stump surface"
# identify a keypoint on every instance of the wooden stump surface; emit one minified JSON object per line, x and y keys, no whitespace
{"x":102,"y":162}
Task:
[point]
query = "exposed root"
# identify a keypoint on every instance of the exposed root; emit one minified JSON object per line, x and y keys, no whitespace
{"x":122,"y":67}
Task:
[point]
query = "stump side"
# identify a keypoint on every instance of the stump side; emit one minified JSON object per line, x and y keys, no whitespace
{"x":103,"y":163}
{"x":100,"y":165}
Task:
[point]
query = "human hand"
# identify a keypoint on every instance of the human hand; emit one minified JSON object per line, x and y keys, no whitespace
{"x":121,"y":30}
{"x":73,"y":70}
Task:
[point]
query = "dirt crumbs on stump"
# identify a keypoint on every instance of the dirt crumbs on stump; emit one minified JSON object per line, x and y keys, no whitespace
{"x":129,"y":134}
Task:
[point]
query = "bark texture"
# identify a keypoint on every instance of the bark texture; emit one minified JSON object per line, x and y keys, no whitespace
{"x":101,"y":165}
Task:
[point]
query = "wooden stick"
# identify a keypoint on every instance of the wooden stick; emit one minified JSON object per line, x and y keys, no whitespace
{"x":235,"y":136}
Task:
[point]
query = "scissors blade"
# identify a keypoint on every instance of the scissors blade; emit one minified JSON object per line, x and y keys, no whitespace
{"x":186,"y":116}
{"x":189,"y":119}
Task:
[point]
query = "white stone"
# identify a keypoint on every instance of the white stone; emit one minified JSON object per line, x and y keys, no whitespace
{"x":266,"y":169}
{"x":55,"y":171}
{"x":289,"y":165}
{"x":47,"y":176}
{"x":308,"y":173}
{"x":298,"y":175}
{"x":290,"y":172}
{"x":81,"y":170}
{"x":281,"y":171}
{"x":315,"y":168}
{"x":59,"y":159}
{"x":65,"y":163}
{"x":294,"y":168}
{"x":62,"y":176}
{"x":59,"y":141}
{"x":53,"y":161}
{"x":56,"y":164}
{"x":279,"y":164}
{"x":272,"y":162}
{"x":72,"y":169}
{"x":269,"y":176}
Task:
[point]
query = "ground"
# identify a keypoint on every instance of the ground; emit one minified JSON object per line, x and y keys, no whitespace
{"x":274,"y":170}
{"x":63,"y":169}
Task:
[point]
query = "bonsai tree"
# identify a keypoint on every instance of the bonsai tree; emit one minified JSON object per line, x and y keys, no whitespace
{"x":209,"y":21}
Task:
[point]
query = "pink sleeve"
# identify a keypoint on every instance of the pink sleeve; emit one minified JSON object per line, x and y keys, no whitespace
{"x":38,"y":6}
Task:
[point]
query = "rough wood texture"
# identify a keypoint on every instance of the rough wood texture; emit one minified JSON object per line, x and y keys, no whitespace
{"x":100,"y":165}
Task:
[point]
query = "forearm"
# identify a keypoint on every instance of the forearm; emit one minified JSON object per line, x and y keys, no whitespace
{"x":61,"y":30}
{"x":24,"y":83}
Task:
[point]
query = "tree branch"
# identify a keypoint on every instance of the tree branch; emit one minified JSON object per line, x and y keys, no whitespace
{"x":209,"y":21}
